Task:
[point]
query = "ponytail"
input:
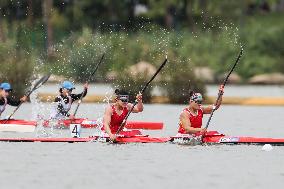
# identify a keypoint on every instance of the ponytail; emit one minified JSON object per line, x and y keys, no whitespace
{"x":191,"y":92}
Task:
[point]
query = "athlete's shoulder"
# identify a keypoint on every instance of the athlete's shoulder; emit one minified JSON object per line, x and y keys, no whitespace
{"x":184,"y":113}
{"x":109,"y":108}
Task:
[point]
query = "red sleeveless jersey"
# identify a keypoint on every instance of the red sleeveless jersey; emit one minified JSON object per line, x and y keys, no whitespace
{"x":195,"y":120}
{"x":116,"y":119}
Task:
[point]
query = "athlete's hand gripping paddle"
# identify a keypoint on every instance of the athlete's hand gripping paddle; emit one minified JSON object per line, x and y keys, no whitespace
{"x":37,"y":85}
{"x":220,"y":91}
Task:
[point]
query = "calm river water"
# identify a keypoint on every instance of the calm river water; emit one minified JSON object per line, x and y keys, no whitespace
{"x":159,"y":166}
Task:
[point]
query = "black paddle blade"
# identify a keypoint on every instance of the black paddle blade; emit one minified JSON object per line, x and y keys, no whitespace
{"x":233,"y":67}
{"x":142,"y":91}
{"x":89,"y":79}
{"x":153,"y":77}
{"x":41,"y":81}
{"x":224,"y":83}
{"x":96,"y":68}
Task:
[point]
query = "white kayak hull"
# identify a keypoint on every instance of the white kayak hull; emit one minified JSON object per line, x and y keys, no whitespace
{"x":17,"y":128}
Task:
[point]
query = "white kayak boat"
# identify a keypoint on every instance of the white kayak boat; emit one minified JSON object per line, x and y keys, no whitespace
{"x":20,"y":126}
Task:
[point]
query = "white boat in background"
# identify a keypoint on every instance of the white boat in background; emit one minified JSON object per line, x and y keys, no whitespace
{"x":20,"y":126}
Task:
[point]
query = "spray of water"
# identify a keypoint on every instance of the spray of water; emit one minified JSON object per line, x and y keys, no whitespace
{"x":76,"y":56}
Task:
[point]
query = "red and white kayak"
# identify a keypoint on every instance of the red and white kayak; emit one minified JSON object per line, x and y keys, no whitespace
{"x":86,"y":123}
{"x":133,"y":139}
{"x":14,"y":125}
{"x":212,"y":137}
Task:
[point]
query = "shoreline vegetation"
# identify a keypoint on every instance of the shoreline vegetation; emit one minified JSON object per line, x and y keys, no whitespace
{"x":200,"y":40}
{"x":251,"y":101}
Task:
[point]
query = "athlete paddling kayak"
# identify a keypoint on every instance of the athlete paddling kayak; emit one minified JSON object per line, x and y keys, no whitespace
{"x":5,"y":89}
{"x":190,"y":120}
{"x":115,"y":113}
{"x":65,"y":99}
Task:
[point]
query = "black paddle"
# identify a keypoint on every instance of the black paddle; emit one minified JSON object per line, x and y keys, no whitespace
{"x":90,"y":77}
{"x":220,"y":93}
{"x":37,"y":85}
{"x":142,"y":91}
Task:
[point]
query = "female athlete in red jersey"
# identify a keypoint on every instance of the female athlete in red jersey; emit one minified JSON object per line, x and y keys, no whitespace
{"x":116,"y":112}
{"x":190,"y":120}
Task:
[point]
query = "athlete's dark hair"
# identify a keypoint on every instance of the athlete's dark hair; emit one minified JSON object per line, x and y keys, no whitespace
{"x":120,"y":92}
{"x":191,"y":92}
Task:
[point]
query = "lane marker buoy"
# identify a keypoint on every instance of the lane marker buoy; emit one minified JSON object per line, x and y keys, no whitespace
{"x":267,"y":147}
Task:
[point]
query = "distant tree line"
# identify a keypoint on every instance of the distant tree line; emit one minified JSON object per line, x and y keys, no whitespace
{"x":71,"y":15}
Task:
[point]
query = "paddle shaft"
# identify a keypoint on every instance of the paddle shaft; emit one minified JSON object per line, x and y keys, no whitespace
{"x":37,"y":85}
{"x":89,"y":79}
{"x":224,"y":83}
{"x":18,"y":107}
{"x":142,"y":91}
